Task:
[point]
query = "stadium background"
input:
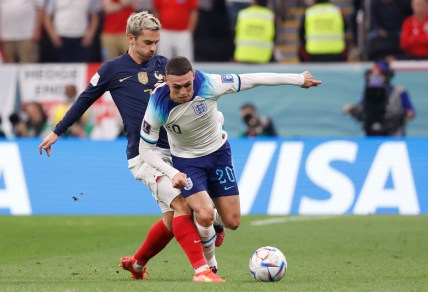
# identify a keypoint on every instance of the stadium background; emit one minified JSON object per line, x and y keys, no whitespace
{"x":322,"y":164}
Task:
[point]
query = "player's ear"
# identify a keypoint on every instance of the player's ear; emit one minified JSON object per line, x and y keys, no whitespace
{"x":131,"y":38}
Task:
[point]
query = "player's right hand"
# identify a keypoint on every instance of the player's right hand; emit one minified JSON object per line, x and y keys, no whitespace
{"x":179,"y":180}
{"x":47,"y":143}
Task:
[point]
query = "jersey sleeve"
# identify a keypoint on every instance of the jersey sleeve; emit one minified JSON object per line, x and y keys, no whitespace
{"x":96,"y":88}
{"x":154,"y":119}
{"x":251,"y":80}
{"x":215,"y":85}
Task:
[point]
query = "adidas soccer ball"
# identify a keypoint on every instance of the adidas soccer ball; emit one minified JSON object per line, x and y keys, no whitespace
{"x":268,"y":264}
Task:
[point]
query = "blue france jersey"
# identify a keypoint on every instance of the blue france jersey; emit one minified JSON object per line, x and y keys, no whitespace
{"x":130,"y":85}
{"x":193,"y":127}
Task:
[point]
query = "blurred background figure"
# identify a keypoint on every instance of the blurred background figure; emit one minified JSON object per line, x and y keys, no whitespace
{"x":387,"y":18}
{"x":2,"y":133}
{"x":31,"y":122}
{"x":113,"y":36}
{"x":20,"y":29}
{"x":256,"y":125}
{"x":81,"y":128}
{"x":213,"y":40}
{"x":144,"y":5}
{"x":72,"y":26}
{"x":322,"y":34}
{"x":414,"y":33}
{"x":179,"y":19}
{"x":385,"y":108}
{"x":233,"y":7}
{"x":255,"y":34}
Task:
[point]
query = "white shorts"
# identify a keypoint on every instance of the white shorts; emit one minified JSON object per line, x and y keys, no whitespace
{"x":159,"y":184}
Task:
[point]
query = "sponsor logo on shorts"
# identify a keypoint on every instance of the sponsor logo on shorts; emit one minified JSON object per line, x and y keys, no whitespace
{"x":228,"y":188}
{"x":189,"y":184}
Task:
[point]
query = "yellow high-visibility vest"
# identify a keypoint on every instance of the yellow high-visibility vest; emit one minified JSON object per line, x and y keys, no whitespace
{"x":324,"y":27}
{"x":255,"y":31}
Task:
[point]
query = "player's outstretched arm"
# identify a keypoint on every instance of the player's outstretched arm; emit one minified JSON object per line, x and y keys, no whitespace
{"x":47,"y":143}
{"x":309,"y":80}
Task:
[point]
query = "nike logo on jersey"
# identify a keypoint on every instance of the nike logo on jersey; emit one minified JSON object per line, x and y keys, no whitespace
{"x":123,"y":79}
{"x":227,"y":188}
{"x":196,"y":241}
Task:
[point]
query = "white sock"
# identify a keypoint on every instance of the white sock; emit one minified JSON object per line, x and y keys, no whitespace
{"x":217,"y":219}
{"x":208,"y":237}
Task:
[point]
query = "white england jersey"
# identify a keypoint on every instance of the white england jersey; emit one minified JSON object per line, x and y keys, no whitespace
{"x":193,"y":127}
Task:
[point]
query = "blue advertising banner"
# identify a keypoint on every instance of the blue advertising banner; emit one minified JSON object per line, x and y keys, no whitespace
{"x":276,"y":176}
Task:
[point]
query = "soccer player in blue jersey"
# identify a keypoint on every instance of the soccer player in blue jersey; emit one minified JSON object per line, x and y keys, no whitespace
{"x":130,"y":78}
{"x":186,"y":105}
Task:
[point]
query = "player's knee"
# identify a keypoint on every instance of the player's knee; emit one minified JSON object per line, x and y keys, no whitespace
{"x":205,"y":216}
{"x":232,"y":222}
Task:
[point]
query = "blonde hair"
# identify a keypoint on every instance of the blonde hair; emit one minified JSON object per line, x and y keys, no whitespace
{"x":140,"y":21}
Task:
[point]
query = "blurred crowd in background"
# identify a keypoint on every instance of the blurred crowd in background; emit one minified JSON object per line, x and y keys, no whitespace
{"x":94,"y":30}
{"x":244,"y":31}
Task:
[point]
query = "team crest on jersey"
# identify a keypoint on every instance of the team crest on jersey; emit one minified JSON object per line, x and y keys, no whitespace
{"x":143,"y":78}
{"x":159,"y":76}
{"x":200,"y":108}
{"x":189,"y":184}
{"x":228,"y":78}
{"x":146,"y":127}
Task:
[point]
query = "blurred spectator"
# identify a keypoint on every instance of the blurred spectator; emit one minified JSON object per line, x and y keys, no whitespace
{"x":322,"y":34}
{"x":257,"y":126}
{"x":71,"y":26}
{"x":113,"y":37}
{"x":31,"y":122}
{"x":20,"y":29}
{"x":357,"y":7}
{"x":213,"y":38}
{"x":144,"y":5}
{"x":414,"y":34}
{"x":2,"y":133}
{"x":255,"y":33}
{"x":387,"y":17}
{"x":384,"y":108}
{"x":79,"y":129}
{"x":233,"y":7}
{"x":179,"y":20}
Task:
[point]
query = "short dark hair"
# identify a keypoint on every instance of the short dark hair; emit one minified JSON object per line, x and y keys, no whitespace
{"x":178,"y":66}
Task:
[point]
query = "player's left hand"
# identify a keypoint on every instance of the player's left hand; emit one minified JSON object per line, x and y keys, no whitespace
{"x":179,"y":180}
{"x":309,"y":80}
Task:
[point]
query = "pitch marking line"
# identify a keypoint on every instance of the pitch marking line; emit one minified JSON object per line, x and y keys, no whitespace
{"x":288,"y":219}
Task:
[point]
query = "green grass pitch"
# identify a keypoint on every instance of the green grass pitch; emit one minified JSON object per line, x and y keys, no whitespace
{"x":339,"y":253}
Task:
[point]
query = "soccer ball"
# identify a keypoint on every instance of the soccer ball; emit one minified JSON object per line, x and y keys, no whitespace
{"x":268,"y":264}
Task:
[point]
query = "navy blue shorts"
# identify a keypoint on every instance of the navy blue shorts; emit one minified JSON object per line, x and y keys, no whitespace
{"x":212,"y":173}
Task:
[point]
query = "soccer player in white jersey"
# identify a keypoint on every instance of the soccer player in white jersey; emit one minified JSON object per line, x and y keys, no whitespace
{"x":129,"y":78}
{"x":186,"y":105}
